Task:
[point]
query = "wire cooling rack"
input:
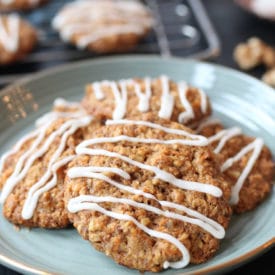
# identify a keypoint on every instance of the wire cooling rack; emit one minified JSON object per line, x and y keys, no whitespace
{"x":182,"y":29}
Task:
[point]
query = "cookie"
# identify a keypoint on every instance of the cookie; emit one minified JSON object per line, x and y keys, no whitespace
{"x":7,"y":5}
{"x":163,"y":97}
{"x":148,"y":194}
{"x":245,"y":161}
{"x":33,"y":172}
{"x":103,"y":26}
{"x":17,"y":38}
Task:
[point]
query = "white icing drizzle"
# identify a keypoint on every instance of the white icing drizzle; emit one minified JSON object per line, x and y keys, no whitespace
{"x":198,"y":140}
{"x":139,"y":140}
{"x":166,"y":213}
{"x":107,"y":31}
{"x":144,"y":98}
{"x":209,"y":225}
{"x":28,"y":158}
{"x":77,"y":172}
{"x":61,"y":102}
{"x":167,"y":99}
{"x":159,"y":174}
{"x":224,"y":136}
{"x":40,"y":187}
{"x":122,"y":17}
{"x":188,"y":113}
{"x":207,"y":122}
{"x":120,"y":97}
{"x":54,"y":115}
{"x":9,"y":35}
{"x":203,"y":101}
{"x":16,"y":148}
{"x":67,"y":129}
{"x":96,"y":86}
{"x":256,"y":146}
{"x":75,"y":206}
{"x":38,"y":148}
{"x":19,"y":171}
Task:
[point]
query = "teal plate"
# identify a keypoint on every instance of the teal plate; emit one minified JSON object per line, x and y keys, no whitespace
{"x":237,"y":100}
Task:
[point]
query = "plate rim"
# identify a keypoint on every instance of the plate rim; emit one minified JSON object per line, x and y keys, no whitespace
{"x":21,"y":266}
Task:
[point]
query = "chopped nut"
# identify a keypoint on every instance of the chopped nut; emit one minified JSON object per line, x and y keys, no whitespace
{"x":253,"y":53}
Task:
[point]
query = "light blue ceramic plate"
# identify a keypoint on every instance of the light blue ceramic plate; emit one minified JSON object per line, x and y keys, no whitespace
{"x":237,"y":99}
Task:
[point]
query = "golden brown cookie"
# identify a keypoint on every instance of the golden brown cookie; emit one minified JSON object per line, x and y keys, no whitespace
{"x":149,"y":194}
{"x":17,"y":38}
{"x":245,"y":161}
{"x":104,"y":25}
{"x":163,"y":97}
{"x":7,"y":5}
{"x":33,"y":172}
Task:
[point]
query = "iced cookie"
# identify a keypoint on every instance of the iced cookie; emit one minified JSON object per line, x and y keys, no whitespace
{"x":163,"y":97}
{"x":104,"y":26}
{"x":33,"y":172}
{"x":17,"y":38}
{"x":246,"y":163}
{"x":148,"y":194}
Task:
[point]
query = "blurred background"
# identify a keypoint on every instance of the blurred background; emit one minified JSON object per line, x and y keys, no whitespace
{"x":208,"y":29}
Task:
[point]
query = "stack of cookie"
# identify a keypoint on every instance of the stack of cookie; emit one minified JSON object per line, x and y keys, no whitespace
{"x":126,"y":169}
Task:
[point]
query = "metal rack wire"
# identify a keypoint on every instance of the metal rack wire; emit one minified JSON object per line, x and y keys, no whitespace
{"x":183,"y":29}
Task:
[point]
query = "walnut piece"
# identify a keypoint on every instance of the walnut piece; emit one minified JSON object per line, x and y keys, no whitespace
{"x":253,"y":53}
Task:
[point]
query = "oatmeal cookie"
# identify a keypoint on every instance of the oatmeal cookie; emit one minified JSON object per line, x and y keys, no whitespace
{"x":148,"y":194}
{"x":32,"y":173}
{"x":104,"y":26}
{"x":163,"y":97}
{"x":7,"y":5}
{"x":17,"y":38}
{"x":246,"y":163}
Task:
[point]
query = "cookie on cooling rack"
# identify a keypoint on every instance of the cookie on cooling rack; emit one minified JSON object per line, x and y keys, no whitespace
{"x":32,"y":173}
{"x":149,"y":194}
{"x":246,"y":163}
{"x":163,"y":97}
{"x":104,"y":26}
{"x":17,"y":38}
{"x":7,"y":5}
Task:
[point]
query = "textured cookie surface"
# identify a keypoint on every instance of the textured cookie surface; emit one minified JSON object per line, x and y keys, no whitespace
{"x":17,"y":38}
{"x":163,"y":97}
{"x":33,"y":172}
{"x":103,"y":25}
{"x":126,"y":195}
{"x":7,"y":5}
{"x":246,"y":163}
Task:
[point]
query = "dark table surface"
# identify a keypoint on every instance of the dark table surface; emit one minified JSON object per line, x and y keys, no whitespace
{"x":233,"y":25}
